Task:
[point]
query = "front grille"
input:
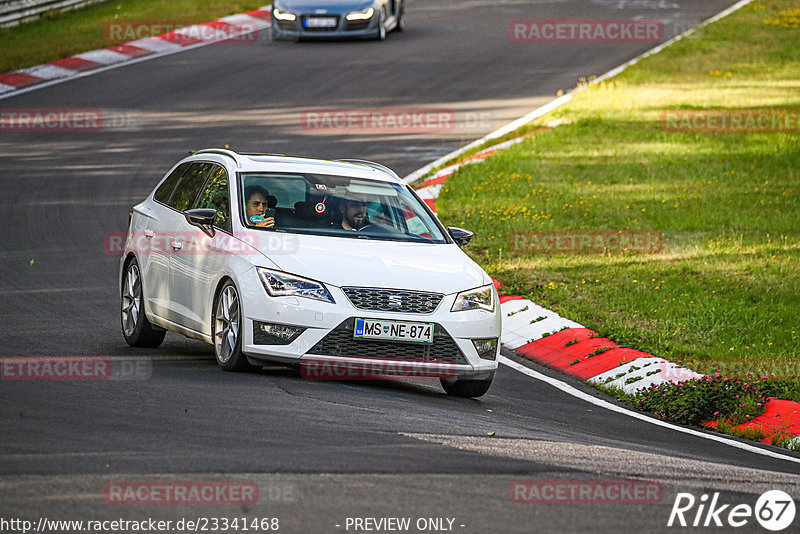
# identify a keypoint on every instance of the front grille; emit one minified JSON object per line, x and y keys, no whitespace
{"x":318,"y":29}
{"x":393,"y":300}
{"x":340,"y":342}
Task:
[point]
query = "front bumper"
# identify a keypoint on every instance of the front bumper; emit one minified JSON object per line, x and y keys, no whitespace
{"x":299,"y":28}
{"x":328,"y":334}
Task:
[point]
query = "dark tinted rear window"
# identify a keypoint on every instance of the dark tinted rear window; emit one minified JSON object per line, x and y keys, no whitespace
{"x":165,"y":189}
{"x":189,"y":186}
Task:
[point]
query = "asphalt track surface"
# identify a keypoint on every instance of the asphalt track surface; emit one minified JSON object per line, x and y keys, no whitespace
{"x":319,"y":451}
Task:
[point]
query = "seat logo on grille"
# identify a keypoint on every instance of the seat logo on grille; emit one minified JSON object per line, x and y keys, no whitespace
{"x":396,"y":301}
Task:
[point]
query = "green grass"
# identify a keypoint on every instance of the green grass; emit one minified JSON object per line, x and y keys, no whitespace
{"x":726,"y":286}
{"x":61,"y":35}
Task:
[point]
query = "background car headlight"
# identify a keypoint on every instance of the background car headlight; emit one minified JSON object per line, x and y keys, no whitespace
{"x":364,"y":14}
{"x":481,"y":298}
{"x":280,"y":284}
{"x":283,"y":15}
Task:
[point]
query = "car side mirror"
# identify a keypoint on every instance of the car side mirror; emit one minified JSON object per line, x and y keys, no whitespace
{"x":203,"y":218}
{"x":459,"y":235}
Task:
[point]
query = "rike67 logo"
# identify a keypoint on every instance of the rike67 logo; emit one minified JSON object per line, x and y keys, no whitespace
{"x":774,"y":510}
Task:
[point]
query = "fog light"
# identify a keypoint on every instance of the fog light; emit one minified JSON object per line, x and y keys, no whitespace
{"x":487,"y":348}
{"x":274,"y":334}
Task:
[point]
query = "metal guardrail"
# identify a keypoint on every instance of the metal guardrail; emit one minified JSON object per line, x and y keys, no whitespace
{"x":16,"y":12}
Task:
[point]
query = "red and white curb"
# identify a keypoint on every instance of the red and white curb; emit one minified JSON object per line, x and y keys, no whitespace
{"x":544,"y":336}
{"x":232,"y":27}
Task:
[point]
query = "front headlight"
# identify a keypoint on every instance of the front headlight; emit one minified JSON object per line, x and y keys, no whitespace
{"x":481,"y":298}
{"x":283,"y":15}
{"x":280,"y":284}
{"x":364,"y":14}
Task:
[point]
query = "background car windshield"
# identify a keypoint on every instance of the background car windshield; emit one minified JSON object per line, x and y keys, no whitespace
{"x":339,"y":206}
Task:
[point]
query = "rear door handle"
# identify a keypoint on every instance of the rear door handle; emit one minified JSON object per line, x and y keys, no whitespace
{"x":149,"y":233}
{"x":176,"y":245}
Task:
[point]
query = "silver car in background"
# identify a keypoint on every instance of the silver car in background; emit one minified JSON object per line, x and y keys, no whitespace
{"x":308,"y":19}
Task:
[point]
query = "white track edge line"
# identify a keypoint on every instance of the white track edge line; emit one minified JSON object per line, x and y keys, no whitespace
{"x":550,"y":106}
{"x":570,"y":390}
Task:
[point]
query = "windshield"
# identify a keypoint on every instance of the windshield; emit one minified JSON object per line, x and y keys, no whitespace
{"x":336,"y":206}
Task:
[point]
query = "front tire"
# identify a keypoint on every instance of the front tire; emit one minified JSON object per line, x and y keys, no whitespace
{"x":382,"y":25}
{"x":136,"y":329}
{"x":469,"y":388}
{"x":226,"y":330}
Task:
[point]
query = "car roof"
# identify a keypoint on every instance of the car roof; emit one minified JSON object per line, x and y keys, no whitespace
{"x":354,"y":168}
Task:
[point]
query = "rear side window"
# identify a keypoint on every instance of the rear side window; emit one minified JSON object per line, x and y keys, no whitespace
{"x":189,"y":186}
{"x":165,"y":190}
{"x":216,"y":196}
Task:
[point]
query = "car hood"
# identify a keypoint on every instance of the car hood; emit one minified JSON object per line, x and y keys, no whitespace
{"x":331,"y":6}
{"x":341,"y":261}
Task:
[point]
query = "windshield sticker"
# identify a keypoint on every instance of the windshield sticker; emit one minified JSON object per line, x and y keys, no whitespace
{"x":256,"y":219}
{"x":320,"y":208}
{"x":321,"y":186}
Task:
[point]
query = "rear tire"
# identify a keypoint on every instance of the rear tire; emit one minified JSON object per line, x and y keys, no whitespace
{"x":226,"y":331}
{"x":136,"y":329}
{"x":464,"y":387}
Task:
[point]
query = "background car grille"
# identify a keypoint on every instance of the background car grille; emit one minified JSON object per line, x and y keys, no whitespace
{"x":392,"y":300}
{"x":340,"y":342}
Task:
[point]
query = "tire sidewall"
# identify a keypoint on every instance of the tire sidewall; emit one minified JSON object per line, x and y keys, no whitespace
{"x":237,"y":361}
{"x":137,"y":330}
{"x":382,"y":25}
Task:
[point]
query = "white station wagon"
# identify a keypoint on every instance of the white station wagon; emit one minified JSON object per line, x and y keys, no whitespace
{"x":335,"y":266}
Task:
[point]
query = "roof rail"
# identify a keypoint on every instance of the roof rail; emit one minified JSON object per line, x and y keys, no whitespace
{"x":372,"y":164}
{"x":222,"y":152}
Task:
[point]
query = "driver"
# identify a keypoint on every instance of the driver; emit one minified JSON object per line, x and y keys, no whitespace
{"x":354,"y":214}
{"x":256,"y":206}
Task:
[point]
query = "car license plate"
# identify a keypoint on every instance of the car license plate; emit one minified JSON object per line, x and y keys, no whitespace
{"x":393,"y":330}
{"x":321,"y":22}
